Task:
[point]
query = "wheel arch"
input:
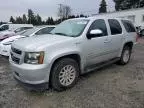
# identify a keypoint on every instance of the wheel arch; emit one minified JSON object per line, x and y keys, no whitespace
{"x":74,"y":56}
{"x":129,"y":44}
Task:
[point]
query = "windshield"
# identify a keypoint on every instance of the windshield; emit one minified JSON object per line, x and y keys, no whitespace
{"x":72,"y":28}
{"x":29,"y":32}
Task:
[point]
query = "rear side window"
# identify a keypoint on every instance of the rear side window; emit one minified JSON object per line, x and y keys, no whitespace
{"x":19,"y":30}
{"x":4,"y":27}
{"x":115,"y":26}
{"x":128,"y":26}
{"x":99,"y":24}
{"x":22,"y":29}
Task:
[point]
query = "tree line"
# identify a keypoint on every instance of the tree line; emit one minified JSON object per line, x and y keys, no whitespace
{"x":122,"y":5}
{"x":36,"y":19}
{"x":64,"y":12}
{"x":128,"y":4}
{"x":31,"y":18}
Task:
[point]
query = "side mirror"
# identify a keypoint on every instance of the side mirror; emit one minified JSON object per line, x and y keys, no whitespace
{"x":94,"y":33}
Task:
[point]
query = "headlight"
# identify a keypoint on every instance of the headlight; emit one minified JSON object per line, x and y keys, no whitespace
{"x":8,"y":43}
{"x":34,"y":57}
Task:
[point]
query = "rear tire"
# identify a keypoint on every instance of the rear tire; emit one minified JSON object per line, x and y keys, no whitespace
{"x":64,"y":74}
{"x":125,"y":56}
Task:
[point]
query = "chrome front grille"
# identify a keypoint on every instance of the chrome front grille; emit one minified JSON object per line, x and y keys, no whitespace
{"x":17,"y":51}
{"x":15,"y":59}
{"x":16,"y":55}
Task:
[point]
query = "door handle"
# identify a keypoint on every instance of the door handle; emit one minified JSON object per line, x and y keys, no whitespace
{"x":106,"y":41}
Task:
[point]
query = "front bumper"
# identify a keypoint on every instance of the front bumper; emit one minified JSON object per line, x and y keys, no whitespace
{"x":38,"y":87}
{"x":30,"y":75}
{"x":5,"y":49}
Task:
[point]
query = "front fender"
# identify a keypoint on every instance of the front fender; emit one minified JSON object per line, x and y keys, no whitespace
{"x":60,"y":53}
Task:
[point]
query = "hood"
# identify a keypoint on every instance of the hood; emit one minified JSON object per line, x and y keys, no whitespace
{"x":13,"y":38}
{"x":37,"y":43}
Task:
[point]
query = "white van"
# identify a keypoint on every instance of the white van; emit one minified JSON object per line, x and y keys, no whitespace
{"x":13,"y":27}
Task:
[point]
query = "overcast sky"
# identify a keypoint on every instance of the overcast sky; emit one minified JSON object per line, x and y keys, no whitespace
{"x":48,"y":7}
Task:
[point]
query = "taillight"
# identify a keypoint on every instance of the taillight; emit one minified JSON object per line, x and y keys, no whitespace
{"x":4,"y":37}
{"x":137,"y":37}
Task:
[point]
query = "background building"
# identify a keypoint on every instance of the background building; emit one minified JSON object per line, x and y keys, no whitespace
{"x":135,"y":15}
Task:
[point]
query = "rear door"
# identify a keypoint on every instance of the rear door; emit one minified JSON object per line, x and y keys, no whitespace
{"x":114,"y":42}
{"x":130,"y":31}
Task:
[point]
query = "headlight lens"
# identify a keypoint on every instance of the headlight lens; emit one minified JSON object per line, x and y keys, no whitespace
{"x":8,"y":43}
{"x":34,"y":57}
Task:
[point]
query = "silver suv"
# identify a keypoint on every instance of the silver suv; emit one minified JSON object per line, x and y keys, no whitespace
{"x":74,"y":47}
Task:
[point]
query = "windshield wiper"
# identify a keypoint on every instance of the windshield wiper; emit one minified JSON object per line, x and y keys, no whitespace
{"x":61,"y":34}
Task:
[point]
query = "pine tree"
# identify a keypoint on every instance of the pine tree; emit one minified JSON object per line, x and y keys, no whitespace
{"x":103,"y":7}
{"x":31,"y":17}
{"x":51,"y":21}
{"x":12,"y":19}
{"x":81,"y":15}
{"x":1,"y":23}
{"x":38,"y":20}
{"x":142,"y":3}
{"x":71,"y":16}
{"x":43,"y":22}
{"x":77,"y":16}
{"x":19,"y":20}
{"x":118,"y":4}
{"x":24,"y":19}
{"x":48,"y":21}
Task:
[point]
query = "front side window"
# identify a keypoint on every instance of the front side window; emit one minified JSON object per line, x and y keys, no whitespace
{"x":46,"y":30}
{"x":71,"y":28}
{"x":115,"y":27}
{"x":99,"y":24}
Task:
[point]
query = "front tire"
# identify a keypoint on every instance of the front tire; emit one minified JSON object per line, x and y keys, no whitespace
{"x":125,"y":56}
{"x":64,"y":74}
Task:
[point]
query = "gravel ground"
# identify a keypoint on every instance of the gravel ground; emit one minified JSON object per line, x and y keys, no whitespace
{"x":113,"y":86}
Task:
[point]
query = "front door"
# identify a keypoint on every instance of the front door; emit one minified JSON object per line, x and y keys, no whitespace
{"x":95,"y":48}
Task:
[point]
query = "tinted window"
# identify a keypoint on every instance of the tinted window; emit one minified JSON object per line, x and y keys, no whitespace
{"x":115,"y":27}
{"x":19,"y":29}
{"x":128,"y":26}
{"x":132,"y":18}
{"x":99,"y":24}
{"x":45,"y":31}
{"x":4,"y":27}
